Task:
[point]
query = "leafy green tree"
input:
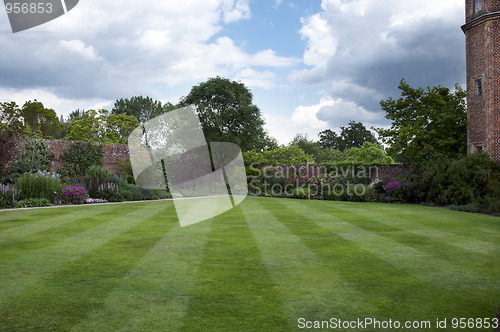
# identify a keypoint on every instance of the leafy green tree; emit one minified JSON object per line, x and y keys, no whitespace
{"x":426,"y":122}
{"x":77,"y":115}
{"x":283,"y":155}
{"x":352,"y":136}
{"x":10,"y":114}
{"x":227,"y":113}
{"x":308,"y":146}
{"x":142,"y":108}
{"x":42,"y":122}
{"x":102,"y":127}
{"x":368,"y":154}
{"x":328,"y":139}
{"x":86,"y":129}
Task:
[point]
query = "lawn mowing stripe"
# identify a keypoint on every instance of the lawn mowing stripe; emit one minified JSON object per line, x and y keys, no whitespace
{"x":155,"y":294}
{"x":27,"y":271}
{"x":440,"y":246}
{"x":68,"y":295}
{"x":466,"y":240}
{"x":302,"y":284}
{"x":233,"y":290}
{"x":427,"y":267}
{"x":395,"y":290}
{"x":18,"y":217}
{"x":48,"y":219}
{"x":449,"y":221}
{"x":17,"y":247}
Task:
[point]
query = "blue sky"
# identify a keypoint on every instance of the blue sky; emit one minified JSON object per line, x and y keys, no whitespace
{"x":310,"y":64}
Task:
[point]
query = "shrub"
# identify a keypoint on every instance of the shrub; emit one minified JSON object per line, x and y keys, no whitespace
{"x":41,"y":184}
{"x":33,"y":202}
{"x":465,"y":208}
{"x":126,"y":170}
{"x":394,"y":191}
{"x":378,"y":186}
{"x":72,"y":195}
{"x":79,"y":158}
{"x":32,"y":156}
{"x":469,"y":180}
{"x":98,"y":173}
{"x":359,"y":193}
{"x":8,"y":195}
{"x":108,"y":191}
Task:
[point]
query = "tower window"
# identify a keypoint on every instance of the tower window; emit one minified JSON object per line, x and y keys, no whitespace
{"x":478,"y":5}
{"x":479,"y":87}
{"x":479,"y":148}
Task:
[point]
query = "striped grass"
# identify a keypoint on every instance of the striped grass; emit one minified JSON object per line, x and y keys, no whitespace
{"x":258,"y":267}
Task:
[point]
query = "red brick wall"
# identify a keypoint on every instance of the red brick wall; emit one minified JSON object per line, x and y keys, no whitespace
{"x":112,"y":154}
{"x":483,"y":62}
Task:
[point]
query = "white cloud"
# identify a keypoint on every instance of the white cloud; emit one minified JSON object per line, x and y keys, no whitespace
{"x":62,"y":106}
{"x":236,"y":11}
{"x":322,"y":44}
{"x":108,"y":50}
{"x":77,"y":46}
{"x":253,"y":78}
{"x":304,"y":120}
{"x":363,"y":48}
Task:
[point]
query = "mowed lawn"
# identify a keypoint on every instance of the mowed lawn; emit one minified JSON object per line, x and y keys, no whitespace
{"x":258,"y":267}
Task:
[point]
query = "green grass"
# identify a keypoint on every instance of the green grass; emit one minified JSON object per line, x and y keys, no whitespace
{"x":258,"y":267}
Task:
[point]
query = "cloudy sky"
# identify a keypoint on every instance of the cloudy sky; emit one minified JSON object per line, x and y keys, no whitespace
{"x":310,"y":64}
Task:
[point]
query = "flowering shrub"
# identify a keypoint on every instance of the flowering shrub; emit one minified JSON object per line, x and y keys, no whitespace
{"x":40,"y":184}
{"x":109,"y":191}
{"x":317,"y":184}
{"x":72,"y":195}
{"x":94,"y":201}
{"x":8,"y":195}
{"x":394,"y":191}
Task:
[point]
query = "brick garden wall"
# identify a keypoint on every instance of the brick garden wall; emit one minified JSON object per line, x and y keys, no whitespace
{"x":112,"y":154}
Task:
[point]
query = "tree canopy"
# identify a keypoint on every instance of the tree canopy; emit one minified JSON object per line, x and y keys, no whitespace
{"x":227,"y":113}
{"x":100,"y":126}
{"x":426,"y":122}
{"x":352,"y":136}
{"x":142,"y":108}
{"x":32,"y":120}
{"x":42,"y":122}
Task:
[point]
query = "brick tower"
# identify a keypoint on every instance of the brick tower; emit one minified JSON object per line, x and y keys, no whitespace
{"x":482,"y":36}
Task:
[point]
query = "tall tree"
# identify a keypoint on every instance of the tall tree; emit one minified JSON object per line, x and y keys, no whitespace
{"x":426,"y":122}
{"x":227,"y":113}
{"x":43,"y":122}
{"x":143,"y":108}
{"x":77,"y":115}
{"x":102,"y":127}
{"x":328,"y":139}
{"x":352,"y":136}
